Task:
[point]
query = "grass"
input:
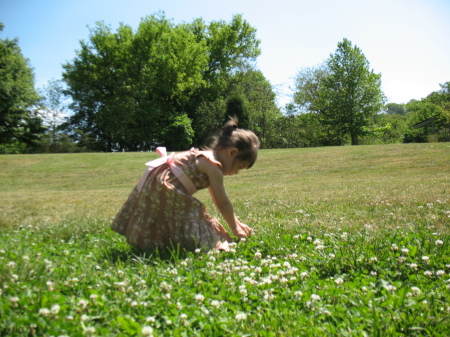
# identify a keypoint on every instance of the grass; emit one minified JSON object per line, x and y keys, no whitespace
{"x":350,"y":241}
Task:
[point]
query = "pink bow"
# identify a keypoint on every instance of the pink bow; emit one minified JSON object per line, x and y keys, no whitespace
{"x":176,"y":170}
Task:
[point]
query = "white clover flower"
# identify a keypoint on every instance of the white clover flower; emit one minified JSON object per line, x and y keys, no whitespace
{"x":164,"y":286}
{"x":364,"y":289}
{"x":298,"y":294}
{"x":199,"y":298}
{"x":215,"y":303}
{"x":258,"y":255}
{"x":55,"y":309}
{"x":373,"y":273}
{"x":84,"y":318}
{"x":440,"y":272}
{"x":241,"y":316}
{"x":373,"y":259}
{"x":14,"y":299}
{"x":50,"y":285}
{"x":11,"y":264}
{"x":413,"y":266}
{"x":405,"y":250}
{"x":89,"y":329}
{"x":147,"y":331}
{"x":315,"y":297}
{"x":318,"y":242}
{"x":320,"y":247}
{"x":391,"y":288}
{"x":243,"y":290}
{"x":439,"y":242}
{"x":82,"y":303}
{"x":44,"y":312}
{"x":150,"y":319}
{"x":415,"y":291}
{"x":198,"y":250}
{"x":339,"y":280}
{"x":428,"y":273}
{"x":394,"y":247}
{"x":425,"y":258}
{"x":309,"y":238}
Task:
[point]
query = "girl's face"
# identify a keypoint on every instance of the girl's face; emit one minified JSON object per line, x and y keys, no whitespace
{"x":231,"y":166}
{"x":236,"y":166}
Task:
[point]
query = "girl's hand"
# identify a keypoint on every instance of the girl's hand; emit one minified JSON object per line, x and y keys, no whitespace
{"x":242,"y":230}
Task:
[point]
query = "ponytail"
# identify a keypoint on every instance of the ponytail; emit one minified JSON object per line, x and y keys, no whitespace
{"x":245,"y":141}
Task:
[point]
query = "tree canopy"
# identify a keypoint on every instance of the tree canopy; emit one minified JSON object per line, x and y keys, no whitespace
{"x":19,"y":123}
{"x":344,"y":93}
{"x":135,"y":90}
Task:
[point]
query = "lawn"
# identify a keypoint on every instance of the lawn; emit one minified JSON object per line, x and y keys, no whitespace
{"x":350,"y":241}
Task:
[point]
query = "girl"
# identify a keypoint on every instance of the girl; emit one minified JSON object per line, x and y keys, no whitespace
{"x":161,"y":211}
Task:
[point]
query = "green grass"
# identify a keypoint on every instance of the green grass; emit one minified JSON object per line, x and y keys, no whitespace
{"x":350,"y":241}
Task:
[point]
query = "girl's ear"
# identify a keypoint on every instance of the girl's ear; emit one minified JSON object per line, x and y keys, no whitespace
{"x":233,"y":152}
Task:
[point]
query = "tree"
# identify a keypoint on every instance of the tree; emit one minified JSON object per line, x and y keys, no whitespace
{"x":344,"y":93}
{"x":309,"y":84}
{"x":20,"y":125}
{"x":232,"y":48}
{"x":417,"y":112}
{"x":259,"y":99}
{"x":395,"y":109}
{"x":236,"y":107}
{"x":52,"y":114}
{"x":130,"y":89}
{"x":352,"y":92}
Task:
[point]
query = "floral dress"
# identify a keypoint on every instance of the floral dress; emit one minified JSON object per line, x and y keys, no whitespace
{"x":161,"y":213}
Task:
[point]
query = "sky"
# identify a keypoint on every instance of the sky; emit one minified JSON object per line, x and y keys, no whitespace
{"x":406,"y":41}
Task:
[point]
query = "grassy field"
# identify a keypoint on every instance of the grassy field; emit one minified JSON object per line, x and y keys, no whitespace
{"x":350,"y":241}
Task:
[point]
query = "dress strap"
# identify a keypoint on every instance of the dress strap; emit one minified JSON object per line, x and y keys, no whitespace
{"x":176,"y":170}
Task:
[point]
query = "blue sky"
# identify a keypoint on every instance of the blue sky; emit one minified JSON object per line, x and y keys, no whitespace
{"x":407,"y":41}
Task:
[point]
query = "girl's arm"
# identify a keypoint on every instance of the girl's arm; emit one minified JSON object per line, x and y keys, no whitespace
{"x":220,"y":197}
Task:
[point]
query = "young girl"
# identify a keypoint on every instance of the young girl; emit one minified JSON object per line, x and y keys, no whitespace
{"x":161,"y":211}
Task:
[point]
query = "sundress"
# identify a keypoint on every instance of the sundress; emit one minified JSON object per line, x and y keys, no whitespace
{"x":161,"y":213}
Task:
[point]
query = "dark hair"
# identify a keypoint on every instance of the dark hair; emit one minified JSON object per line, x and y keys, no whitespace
{"x":245,"y":141}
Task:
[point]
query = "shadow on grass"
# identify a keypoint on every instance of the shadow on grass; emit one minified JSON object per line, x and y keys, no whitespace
{"x":132,"y":255}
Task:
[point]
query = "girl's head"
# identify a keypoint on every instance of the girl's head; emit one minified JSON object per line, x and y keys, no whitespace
{"x":244,"y":141}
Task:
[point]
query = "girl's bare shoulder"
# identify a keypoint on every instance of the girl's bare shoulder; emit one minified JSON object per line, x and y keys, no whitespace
{"x":207,"y":164}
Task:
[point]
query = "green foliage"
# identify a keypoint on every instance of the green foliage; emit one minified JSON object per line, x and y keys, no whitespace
{"x":129,"y":87}
{"x":20,"y":125}
{"x":179,"y":134}
{"x":395,"y":109}
{"x":353,"y":105}
{"x":236,"y":108}
{"x":344,"y":92}
{"x":419,"y":111}
{"x":365,"y":254}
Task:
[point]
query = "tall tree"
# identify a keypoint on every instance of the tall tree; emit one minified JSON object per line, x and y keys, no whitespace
{"x":352,"y":92}
{"x":132,"y":89}
{"x":129,"y":88}
{"x":19,"y":121}
{"x":236,"y":107}
{"x":344,"y":93}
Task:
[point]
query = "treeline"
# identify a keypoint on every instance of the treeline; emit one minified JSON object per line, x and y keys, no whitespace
{"x":175,"y":85}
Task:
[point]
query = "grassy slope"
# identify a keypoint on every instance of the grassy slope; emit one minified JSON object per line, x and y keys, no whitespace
{"x":334,"y":185}
{"x":327,"y":220}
